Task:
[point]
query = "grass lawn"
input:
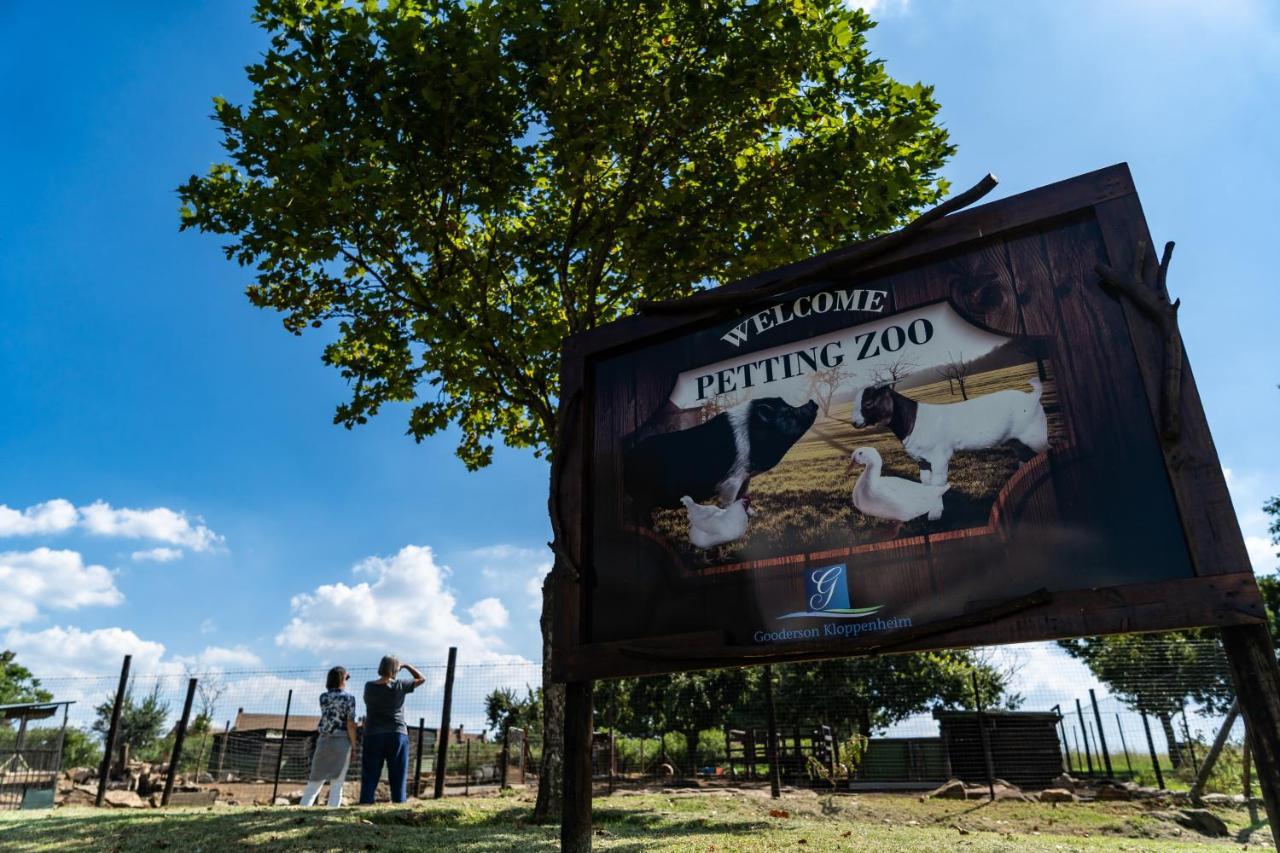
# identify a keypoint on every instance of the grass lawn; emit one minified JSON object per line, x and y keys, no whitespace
{"x":724,"y":821}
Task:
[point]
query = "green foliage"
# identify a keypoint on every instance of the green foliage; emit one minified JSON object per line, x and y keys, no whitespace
{"x":80,"y":748}
{"x":454,"y":187}
{"x":503,"y":708}
{"x":872,"y":693}
{"x":1159,"y":673}
{"x":141,"y":724}
{"x":17,"y":683}
{"x":1269,"y":586}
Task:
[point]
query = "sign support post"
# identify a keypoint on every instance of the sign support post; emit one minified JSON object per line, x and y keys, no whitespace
{"x":1252,"y":658}
{"x":575,"y":822}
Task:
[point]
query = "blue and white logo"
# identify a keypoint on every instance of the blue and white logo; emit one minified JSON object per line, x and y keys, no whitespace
{"x":827,"y":596}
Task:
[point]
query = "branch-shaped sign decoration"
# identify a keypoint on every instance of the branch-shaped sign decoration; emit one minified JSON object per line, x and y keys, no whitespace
{"x":1157,"y":306}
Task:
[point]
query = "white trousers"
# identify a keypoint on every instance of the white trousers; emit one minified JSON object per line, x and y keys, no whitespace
{"x":312,"y":790}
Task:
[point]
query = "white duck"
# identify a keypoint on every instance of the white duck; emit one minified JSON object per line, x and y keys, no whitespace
{"x":892,"y":498}
{"x":710,"y":525}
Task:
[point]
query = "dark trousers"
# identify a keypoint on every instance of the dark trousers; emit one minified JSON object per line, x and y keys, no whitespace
{"x":393,"y":748}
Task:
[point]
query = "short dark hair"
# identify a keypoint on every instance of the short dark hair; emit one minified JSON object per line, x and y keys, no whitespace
{"x":388,"y":666}
{"x":336,"y":677}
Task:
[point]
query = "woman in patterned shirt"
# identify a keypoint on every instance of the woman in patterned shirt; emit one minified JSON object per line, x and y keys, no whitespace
{"x":335,"y":740}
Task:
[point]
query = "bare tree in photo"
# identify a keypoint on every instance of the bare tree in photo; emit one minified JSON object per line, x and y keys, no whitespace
{"x":893,"y":373}
{"x":720,"y":403}
{"x":825,"y":384}
{"x":956,"y":371}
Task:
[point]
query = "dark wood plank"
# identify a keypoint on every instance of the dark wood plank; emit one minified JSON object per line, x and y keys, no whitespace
{"x":1213,"y":531}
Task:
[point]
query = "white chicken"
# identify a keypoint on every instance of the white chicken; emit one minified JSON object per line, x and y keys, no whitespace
{"x":892,"y":498}
{"x":710,"y":525}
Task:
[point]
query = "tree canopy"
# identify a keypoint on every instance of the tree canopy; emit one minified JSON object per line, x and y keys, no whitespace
{"x":17,"y":684}
{"x":454,"y":186}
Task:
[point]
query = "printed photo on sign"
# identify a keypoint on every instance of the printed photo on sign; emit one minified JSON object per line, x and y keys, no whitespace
{"x":914,"y":423}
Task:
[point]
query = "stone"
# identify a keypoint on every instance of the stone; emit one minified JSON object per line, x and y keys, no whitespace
{"x":1114,"y":792}
{"x":1223,"y":800}
{"x":1202,"y":821}
{"x":1057,"y":795}
{"x":193,"y":798}
{"x":80,"y":795}
{"x":1065,"y":780}
{"x":280,"y":801}
{"x":952,"y":789}
{"x":80,"y":775}
{"x":124,"y":800}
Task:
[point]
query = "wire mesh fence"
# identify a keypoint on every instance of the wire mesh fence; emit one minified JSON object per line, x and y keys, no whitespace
{"x":1140,"y":708}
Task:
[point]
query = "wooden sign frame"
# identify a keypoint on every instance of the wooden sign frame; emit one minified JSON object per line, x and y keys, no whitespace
{"x":1219,"y":590}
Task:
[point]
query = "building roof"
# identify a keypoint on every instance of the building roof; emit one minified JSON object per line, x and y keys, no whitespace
{"x":251,"y":722}
{"x":31,"y":710}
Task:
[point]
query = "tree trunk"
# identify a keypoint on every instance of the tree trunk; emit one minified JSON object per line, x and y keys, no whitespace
{"x":691,"y":752}
{"x":551,"y":768}
{"x":1166,"y":723}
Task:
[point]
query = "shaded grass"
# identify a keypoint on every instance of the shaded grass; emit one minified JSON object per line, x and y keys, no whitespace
{"x":727,"y":820}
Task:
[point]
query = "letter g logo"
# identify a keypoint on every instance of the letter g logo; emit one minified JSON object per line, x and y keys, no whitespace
{"x":824,"y":586}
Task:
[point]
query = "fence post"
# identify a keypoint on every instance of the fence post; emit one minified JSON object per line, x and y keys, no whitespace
{"x":466,"y":771}
{"x":1084,"y":733}
{"x":1186,"y":734}
{"x":417,"y":764}
{"x":176,"y":756}
{"x":1124,"y":745}
{"x":110,"y":746}
{"x":442,"y":745}
{"x":1245,"y":781}
{"x":771,"y":748}
{"x":1151,"y":745}
{"x":1202,"y":776}
{"x":982,"y":735}
{"x":284,"y":739}
{"x":1102,"y":736}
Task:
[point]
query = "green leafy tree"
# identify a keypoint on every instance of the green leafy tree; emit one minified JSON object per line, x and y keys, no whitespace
{"x":450,"y":188}
{"x":17,"y":684}
{"x":872,"y":693}
{"x":1269,"y":586}
{"x":1159,"y":674}
{"x":689,"y":702}
{"x":141,"y":727}
{"x":80,"y":748}
{"x":504,"y":709}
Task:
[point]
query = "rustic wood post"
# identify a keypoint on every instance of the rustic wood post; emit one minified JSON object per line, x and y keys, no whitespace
{"x":284,"y":739}
{"x":1102,"y":736}
{"x":222,"y":753}
{"x":1202,"y":776}
{"x":506,"y":755}
{"x":417,"y":762}
{"x":1245,"y":781}
{"x":176,"y":756}
{"x":1252,"y":658}
{"x":982,"y":735}
{"x":1151,"y":747}
{"x":466,"y":769}
{"x":575,"y":823}
{"x":110,"y":746}
{"x":1084,"y":733}
{"x":771,"y":747}
{"x":442,"y":739}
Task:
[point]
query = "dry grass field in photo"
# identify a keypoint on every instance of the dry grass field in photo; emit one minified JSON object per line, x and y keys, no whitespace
{"x":806,"y":504}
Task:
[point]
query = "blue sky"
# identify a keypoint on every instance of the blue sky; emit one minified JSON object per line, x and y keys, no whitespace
{"x":134,"y":375}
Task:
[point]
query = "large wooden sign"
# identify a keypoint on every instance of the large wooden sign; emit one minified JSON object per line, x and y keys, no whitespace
{"x":956,"y":444}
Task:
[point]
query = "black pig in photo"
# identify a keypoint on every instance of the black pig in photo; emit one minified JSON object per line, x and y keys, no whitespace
{"x":715,"y":459}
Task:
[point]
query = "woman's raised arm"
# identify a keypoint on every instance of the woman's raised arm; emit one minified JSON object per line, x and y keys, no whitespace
{"x":418,"y":678}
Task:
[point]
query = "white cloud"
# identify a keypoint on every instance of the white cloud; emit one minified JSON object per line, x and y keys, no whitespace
{"x":53,"y":516}
{"x":873,"y":7}
{"x":156,"y":555}
{"x":44,"y":578}
{"x":220,"y":658}
{"x":60,"y":652}
{"x":514,"y":567}
{"x":488,"y":613}
{"x":161,"y":524}
{"x":208,"y":626}
{"x":405,"y":608}
{"x":1248,"y":494}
